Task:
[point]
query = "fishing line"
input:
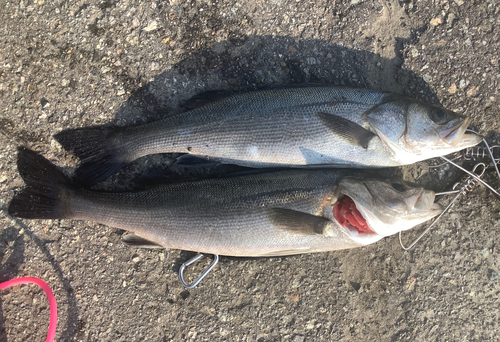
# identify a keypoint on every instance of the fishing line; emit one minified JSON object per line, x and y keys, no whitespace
{"x":468,"y":183}
{"x":50,"y":296}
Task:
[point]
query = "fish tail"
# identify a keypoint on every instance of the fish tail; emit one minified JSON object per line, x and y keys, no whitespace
{"x":47,"y":189}
{"x":98,"y":150}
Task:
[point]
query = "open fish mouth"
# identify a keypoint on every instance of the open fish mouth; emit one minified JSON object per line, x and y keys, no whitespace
{"x":348,"y":216}
{"x":453,"y":135}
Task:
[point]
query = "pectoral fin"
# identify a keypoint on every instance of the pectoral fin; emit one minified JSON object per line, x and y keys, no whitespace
{"x":300,"y":223}
{"x":134,"y":240}
{"x":346,"y":130}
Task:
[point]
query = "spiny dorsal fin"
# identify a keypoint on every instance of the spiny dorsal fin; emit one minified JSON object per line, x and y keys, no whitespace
{"x":299,"y":223}
{"x":134,"y":240}
{"x":347,"y":130}
{"x":201,"y":99}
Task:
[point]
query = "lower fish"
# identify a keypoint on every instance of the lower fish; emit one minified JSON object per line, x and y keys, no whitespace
{"x":253,"y":215}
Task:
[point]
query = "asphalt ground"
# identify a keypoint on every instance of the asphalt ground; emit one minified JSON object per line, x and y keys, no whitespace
{"x":69,"y":64}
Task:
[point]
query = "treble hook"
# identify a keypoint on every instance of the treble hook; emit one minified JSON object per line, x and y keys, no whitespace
{"x":189,"y":262}
{"x":469,"y":182}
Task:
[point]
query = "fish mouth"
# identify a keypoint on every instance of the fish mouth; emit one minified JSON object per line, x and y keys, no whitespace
{"x":361,"y":223}
{"x":348,"y":216}
{"x":453,"y":135}
{"x":424,"y":202}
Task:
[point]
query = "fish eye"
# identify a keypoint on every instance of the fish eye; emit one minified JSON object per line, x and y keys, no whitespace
{"x":398,"y":186}
{"x":439,"y":116}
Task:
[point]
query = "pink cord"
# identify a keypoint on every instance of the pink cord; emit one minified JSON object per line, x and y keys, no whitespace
{"x":50,"y":295}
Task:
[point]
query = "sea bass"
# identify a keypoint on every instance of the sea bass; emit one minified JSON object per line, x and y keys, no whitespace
{"x":290,"y":127}
{"x":265,"y":214}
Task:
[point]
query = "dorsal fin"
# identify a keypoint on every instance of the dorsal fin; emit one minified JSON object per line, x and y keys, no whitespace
{"x":209,"y":96}
{"x":206,"y":97}
{"x":349,"y":131}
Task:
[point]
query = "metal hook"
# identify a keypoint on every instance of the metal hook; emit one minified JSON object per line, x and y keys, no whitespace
{"x":490,"y":152}
{"x":189,"y":262}
{"x":469,"y":183}
{"x":473,"y":175}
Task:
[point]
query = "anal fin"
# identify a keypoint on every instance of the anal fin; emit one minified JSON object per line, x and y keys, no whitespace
{"x":134,"y":240}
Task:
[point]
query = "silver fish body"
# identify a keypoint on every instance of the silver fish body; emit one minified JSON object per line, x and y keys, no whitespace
{"x":276,"y":213}
{"x":297,"y":127}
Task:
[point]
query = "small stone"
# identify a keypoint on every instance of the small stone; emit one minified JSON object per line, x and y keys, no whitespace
{"x":136,"y":259}
{"x":152,"y":25}
{"x":468,"y":42}
{"x":355,"y":2}
{"x":472,"y":91}
{"x":489,"y":102}
{"x":410,"y":284}
{"x":449,"y":19}
{"x":414,"y":52}
{"x":462,"y":84}
{"x":222,"y":316}
{"x":452,"y":89}
{"x":135,"y":22}
{"x":44,"y":102}
{"x":436,"y":21}
{"x":459,"y":2}
{"x":294,"y":297}
{"x":299,"y":338}
{"x":292,"y":49}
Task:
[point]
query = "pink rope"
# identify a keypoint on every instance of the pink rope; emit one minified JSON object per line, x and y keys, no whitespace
{"x":50,"y":295}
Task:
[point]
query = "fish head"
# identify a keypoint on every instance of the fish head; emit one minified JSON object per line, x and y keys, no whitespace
{"x":383,"y":207}
{"x":415,"y":130}
{"x":432,"y":129}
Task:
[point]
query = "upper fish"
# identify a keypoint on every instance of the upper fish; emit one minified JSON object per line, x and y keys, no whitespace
{"x":302,"y":126}
{"x":263,"y":214}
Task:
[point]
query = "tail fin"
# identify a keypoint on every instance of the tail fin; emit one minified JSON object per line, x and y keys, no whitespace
{"x":45,"y":196}
{"x":95,"y":147}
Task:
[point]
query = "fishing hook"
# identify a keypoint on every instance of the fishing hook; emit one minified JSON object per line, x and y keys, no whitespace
{"x":490,"y":152}
{"x":475,"y":176}
{"x":468,"y":182}
{"x":189,"y":262}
